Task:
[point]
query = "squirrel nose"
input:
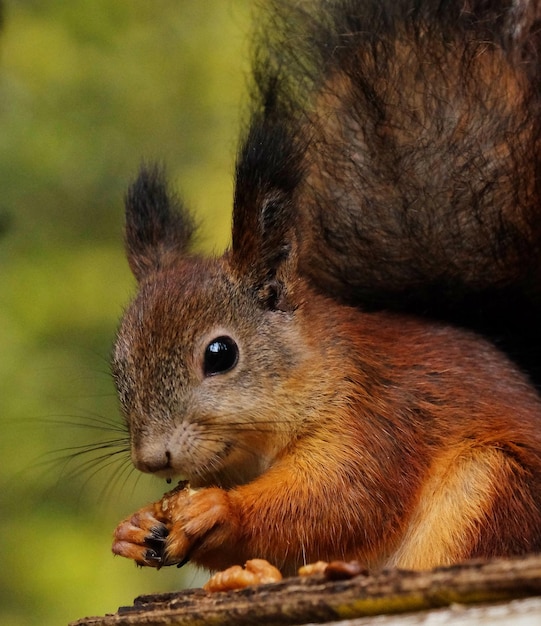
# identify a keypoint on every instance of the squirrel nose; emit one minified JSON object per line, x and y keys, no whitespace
{"x":151,"y":459}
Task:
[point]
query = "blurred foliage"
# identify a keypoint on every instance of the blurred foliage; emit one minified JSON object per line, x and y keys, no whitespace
{"x":88,"y":89}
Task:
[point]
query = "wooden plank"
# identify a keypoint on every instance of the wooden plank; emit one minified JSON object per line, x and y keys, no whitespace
{"x":298,"y":601}
{"x":526,"y":612}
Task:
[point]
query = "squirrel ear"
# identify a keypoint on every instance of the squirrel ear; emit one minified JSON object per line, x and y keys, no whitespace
{"x":268,"y":173}
{"x":158,"y":227}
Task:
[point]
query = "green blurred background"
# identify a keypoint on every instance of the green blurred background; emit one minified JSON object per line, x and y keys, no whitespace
{"x":89,"y":88}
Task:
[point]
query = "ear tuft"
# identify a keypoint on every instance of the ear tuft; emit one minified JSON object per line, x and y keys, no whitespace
{"x":269,"y":170}
{"x":159,"y":228}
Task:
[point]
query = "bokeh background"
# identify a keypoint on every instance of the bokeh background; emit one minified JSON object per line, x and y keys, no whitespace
{"x":89,"y":88}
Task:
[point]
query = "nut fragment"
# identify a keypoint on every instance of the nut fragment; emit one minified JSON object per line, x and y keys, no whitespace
{"x":335,"y":570}
{"x":172,"y":502}
{"x":255,"y":572}
{"x":343,"y":570}
{"x":310,"y":569}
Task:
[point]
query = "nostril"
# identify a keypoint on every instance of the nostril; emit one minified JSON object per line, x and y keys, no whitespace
{"x":151,"y":459}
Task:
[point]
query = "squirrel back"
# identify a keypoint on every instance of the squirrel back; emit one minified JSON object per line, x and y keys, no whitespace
{"x":417,"y":126}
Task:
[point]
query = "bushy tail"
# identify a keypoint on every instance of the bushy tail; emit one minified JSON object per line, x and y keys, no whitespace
{"x":417,"y":129}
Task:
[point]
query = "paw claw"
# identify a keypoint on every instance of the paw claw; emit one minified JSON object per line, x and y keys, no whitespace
{"x":152,"y":555}
{"x":159,"y":533}
{"x":156,"y":540}
{"x":182,"y":563}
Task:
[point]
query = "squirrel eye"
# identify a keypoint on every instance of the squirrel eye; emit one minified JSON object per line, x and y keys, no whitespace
{"x":221,"y":355}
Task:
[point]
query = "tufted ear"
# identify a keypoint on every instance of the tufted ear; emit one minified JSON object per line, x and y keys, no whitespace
{"x":159,"y":229}
{"x":268,"y":173}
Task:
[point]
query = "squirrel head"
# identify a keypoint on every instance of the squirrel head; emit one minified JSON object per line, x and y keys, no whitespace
{"x":210,"y":347}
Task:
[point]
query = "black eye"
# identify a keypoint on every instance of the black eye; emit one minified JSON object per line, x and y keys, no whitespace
{"x":221,"y":355}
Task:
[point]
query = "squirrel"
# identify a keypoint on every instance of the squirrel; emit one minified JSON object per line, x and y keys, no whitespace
{"x":325,"y":386}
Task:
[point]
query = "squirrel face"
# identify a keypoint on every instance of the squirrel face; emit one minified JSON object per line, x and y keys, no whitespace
{"x":200,"y":365}
{"x":212,"y":348}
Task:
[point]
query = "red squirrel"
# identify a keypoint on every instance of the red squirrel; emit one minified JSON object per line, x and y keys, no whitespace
{"x":317,"y":404}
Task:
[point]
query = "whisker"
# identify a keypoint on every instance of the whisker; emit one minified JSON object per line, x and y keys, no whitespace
{"x":72,"y":453}
{"x":124,"y":472}
{"x":130,"y":471}
{"x":93,"y":465}
{"x":110,"y":456}
{"x":227,"y":427}
{"x":89,"y":421}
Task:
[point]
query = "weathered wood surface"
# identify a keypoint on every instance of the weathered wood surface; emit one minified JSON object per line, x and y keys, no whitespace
{"x":298,"y":601}
{"x":525,"y":612}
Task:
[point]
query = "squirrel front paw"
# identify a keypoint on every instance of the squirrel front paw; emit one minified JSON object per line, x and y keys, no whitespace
{"x":142,"y":538}
{"x":185,"y":524}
